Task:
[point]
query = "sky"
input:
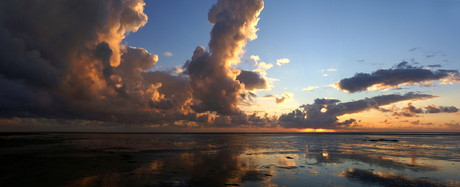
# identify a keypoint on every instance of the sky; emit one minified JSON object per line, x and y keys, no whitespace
{"x":229,"y":66}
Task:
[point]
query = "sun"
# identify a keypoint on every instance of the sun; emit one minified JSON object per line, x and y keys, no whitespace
{"x":316,"y":130}
{"x":324,"y":110}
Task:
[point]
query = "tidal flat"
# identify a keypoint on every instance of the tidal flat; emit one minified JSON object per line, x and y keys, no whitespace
{"x":230,"y":159}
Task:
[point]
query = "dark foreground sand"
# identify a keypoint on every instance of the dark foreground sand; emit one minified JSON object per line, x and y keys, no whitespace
{"x":66,"y":159}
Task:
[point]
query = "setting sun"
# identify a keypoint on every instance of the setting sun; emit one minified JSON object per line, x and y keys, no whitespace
{"x":317,"y":130}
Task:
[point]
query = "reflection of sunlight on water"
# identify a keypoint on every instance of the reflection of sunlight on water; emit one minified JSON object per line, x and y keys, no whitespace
{"x":272,"y":160}
{"x":325,"y":153}
{"x":154,"y":166}
{"x":313,"y":171}
{"x":453,"y":183}
{"x":87,"y":181}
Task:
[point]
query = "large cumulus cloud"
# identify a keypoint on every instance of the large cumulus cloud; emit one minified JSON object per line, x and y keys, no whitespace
{"x":212,"y":80}
{"x":64,"y":59}
{"x":394,"y":78}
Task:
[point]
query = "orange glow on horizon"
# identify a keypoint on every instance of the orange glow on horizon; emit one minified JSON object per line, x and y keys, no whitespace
{"x":317,"y":130}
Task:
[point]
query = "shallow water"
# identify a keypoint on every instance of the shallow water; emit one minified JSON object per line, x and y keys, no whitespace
{"x":85,"y":159}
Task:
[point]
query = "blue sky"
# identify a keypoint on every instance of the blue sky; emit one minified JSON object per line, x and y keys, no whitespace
{"x":349,"y":36}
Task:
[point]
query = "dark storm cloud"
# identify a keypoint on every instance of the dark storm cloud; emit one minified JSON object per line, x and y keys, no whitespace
{"x":401,"y":74}
{"x":312,"y":115}
{"x":252,"y":80}
{"x":63,"y":59}
{"x":212,"y":81}
{"x":19,"y":100}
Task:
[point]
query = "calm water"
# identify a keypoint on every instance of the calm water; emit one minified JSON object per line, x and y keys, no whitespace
{"x":65,"y":159}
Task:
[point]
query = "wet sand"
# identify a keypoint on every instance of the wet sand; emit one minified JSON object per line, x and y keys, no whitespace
{"x":89,"y":159}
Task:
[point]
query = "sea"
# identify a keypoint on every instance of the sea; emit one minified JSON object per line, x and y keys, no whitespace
{"x":230,"y":159}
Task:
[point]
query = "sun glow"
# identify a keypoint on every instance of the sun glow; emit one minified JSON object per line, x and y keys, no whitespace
{"x":317,"y":130}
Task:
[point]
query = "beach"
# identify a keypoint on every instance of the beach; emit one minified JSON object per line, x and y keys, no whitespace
{"x":230,"y":159}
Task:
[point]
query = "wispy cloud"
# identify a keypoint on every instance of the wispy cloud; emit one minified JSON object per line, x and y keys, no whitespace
{"x":310,"y":88}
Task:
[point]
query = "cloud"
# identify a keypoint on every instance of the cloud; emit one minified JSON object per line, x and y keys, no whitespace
{"x":283,"y":98}
{"x":255,"y":58}
{"x":172,"y":87}
{"x":64,"y":60}
{"x":419,"y":123}
{"x":435,"y":66}
{"x":167,"y":53}
{"x":331,"y":69}
{"x":282,"y":61}
{"x":441,"y":109}
{"x":409,"y":111}
{"x":413,"y":49}
{"x":311,"y":116}
{"x":325,"y":75}
{"x":252,"y":80}
{"x":177,"y":69}
{"x":264,"y":66}
{"x":430,"y":54}
{"x":212,"y":82}
{"x":310,"y":88}
{"x":402,"y":74}
{"x":453,"y":125}
{"x":269,"y":96}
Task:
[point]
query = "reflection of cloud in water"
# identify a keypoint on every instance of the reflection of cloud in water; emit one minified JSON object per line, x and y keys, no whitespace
{"x":386,"y":179}
{"x":338,"y":158}
{"x":205,"y":168}
{"x":283,"y":161}
{"x":250,"y":160}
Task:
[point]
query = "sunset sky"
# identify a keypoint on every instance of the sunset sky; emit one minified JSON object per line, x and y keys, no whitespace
{"x":229,"y":66}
